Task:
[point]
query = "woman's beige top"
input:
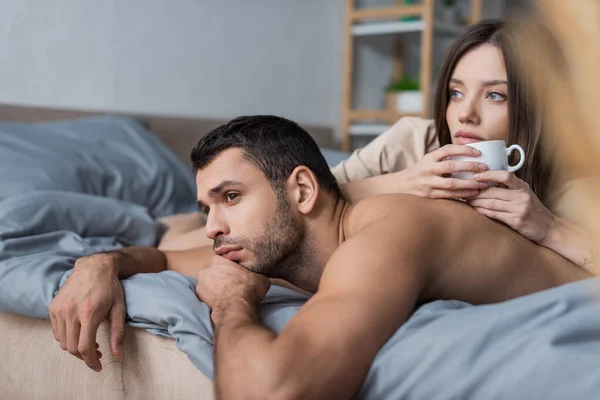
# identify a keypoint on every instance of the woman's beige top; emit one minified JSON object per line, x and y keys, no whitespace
{"x":405,"y":143}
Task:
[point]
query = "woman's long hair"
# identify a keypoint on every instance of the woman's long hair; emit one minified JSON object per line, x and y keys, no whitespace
{"x":525,"y":127}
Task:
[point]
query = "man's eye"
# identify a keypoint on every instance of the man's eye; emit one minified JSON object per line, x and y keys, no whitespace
{"x":205,"y":209}
{"x":231,"y":196}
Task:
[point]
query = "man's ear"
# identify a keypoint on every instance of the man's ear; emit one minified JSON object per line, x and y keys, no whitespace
{"x":304,"y":189}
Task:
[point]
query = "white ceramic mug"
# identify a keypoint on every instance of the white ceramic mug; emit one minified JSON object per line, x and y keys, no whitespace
{"x":494,"y":154}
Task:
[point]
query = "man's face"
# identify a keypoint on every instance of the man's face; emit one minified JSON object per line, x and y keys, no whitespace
{"x":249,"y":223}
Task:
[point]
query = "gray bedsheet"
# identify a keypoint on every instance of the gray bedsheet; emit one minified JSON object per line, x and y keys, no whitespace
{"x":542,"y":346}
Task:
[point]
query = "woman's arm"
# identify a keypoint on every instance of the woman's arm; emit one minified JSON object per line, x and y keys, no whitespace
{"x":572,"y":242}
{"x":426,"y":178}
{"x":517,"y":206}
{"x":405,"y":143}
{"x":386,"y":164}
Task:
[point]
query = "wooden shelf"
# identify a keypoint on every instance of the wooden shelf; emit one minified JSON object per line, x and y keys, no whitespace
{"x":377,"y":115}
{"x":386,"y":12}
{"x":384,"y":21}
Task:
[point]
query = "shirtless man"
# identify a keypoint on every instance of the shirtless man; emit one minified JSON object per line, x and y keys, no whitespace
{"x":274,"y":210}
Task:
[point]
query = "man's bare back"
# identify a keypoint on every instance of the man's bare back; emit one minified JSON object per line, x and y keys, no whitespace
{"x":459,"y":242}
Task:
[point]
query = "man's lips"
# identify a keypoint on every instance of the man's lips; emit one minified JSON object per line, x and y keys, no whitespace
{"x":222,"y":250}
{"x":463,"y":137}
{"x":228,"y":252}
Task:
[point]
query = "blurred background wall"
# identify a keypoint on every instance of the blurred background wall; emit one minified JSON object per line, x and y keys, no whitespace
{"x":206,"y":58}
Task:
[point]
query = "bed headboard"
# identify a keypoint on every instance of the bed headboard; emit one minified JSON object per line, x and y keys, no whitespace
{"x":180,"y":134}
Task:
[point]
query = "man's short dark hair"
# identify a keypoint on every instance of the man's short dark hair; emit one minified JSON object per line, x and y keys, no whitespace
{"x":276,"y":145}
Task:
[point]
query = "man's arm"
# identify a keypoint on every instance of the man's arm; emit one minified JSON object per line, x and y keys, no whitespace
{"x":93,"y":292}
{"x":368,"y":289}
{"x":129,"y":261}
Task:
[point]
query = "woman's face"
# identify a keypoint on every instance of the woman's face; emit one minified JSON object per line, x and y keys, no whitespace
{"x":478,"y":105}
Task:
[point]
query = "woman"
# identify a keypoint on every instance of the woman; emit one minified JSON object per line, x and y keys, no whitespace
{"x":481,"y":95}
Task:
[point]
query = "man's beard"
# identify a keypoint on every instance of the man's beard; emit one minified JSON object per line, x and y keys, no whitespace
{"x":280,"y":250}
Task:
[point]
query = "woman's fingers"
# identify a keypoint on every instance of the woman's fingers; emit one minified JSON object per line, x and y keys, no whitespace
{"x":492,"y":204}
{"x":456,"y":184}
{"x":453,"y":150}
{"x":499,"y":193}
{"x":436,"y":187}
{"x":451,"y":166}
{"x":503,"y":177}
{"x":452,"y":194}
{"x":497,"y":215}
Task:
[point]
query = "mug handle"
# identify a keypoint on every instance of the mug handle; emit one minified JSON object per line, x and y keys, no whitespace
{"x":513,"y":168}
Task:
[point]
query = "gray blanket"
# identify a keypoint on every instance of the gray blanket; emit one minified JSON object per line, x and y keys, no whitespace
{"x":71,"y":188}
{"x":542,"y":346}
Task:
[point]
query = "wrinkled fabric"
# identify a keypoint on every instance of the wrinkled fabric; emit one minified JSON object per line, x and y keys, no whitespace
{"x":106,"y":156}
{"x":42,"y":234}
{"x":542,"y":346}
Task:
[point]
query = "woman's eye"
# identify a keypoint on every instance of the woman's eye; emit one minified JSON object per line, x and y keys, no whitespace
{"x":455,"y":94}
{"x":494,"y":96}
{"x":231,"y":196}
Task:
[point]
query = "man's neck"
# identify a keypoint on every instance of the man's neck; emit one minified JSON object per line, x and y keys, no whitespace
{"x":324,"y":235}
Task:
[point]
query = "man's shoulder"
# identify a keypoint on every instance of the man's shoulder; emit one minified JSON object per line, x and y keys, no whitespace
{"x":385,"y":204}
{"x":383,"y":209}
{"x":396,"y":209}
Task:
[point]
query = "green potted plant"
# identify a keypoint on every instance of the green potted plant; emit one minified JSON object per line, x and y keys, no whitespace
{"x":449,"y":12}
{"x":410,"y":17}
{"x":404,"y":95}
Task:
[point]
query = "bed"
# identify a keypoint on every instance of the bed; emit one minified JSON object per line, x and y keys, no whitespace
{"x":32,"y":365}
{"x":545,"y":345}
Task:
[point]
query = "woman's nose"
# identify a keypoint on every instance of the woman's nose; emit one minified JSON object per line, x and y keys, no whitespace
{"x":468,"y":113}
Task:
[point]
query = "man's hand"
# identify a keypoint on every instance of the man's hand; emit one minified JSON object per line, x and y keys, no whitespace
{"x":226,"y":281}
{"x":92,"y":292}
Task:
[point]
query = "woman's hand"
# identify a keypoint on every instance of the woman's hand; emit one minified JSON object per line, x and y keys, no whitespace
{"x":430,"y":177}
{"x":516,"y":205}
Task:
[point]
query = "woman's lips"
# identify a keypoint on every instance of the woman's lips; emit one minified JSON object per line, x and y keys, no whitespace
{"x":463,"y":137}
{"x":466,"y":140}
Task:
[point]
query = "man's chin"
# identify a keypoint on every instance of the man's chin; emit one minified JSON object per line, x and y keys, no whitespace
{"x":252,"y":267}
{"x":245,"y":264}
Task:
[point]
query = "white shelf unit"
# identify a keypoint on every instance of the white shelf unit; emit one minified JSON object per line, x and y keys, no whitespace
{"x":368,"y":129}
{"x":381,"y":28}
{"x":394,"y":27}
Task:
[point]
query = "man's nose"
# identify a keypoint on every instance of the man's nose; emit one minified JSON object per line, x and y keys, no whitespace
{"x":215,"y":225}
